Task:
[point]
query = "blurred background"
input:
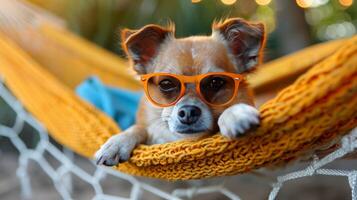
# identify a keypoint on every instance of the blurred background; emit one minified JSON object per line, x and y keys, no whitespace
{"x":291,"y":25}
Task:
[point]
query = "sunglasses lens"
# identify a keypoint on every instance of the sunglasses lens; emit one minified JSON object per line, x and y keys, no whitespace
{"x":217,"y":89}
{"x":163,"y":90}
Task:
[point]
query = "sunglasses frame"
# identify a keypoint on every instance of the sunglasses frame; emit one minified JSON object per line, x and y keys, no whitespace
{"x":192,"y":79}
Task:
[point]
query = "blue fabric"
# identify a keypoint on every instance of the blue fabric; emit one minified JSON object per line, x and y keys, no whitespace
{"x":119,"y":104}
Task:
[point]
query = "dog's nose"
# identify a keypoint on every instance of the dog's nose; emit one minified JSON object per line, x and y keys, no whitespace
{"x":189,"y":114}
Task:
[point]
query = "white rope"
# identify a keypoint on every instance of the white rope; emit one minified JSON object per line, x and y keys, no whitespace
{"x":67,"y":166}
{"x":349,"y":144}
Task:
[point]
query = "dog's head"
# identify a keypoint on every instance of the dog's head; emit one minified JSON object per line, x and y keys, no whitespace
{"x":234,"y":46}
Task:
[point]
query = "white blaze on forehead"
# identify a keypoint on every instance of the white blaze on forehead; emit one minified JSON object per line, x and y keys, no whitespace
{"x":172,"y":69}
{"x":208,"y":64}
{"x":206,"y":68}
{"x":194,"y":52}
{"x":210,"y":67}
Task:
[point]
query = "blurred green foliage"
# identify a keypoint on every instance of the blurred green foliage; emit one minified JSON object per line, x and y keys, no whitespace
{"x":101,"y":20}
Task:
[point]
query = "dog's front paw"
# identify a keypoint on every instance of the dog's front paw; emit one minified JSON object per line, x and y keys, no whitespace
{"x":237,"y":120}
{"x":116,"y":150}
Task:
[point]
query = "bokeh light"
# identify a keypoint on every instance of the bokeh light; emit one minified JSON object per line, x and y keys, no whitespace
{"x":315,"y":16}
{"x":317,"y":3}
{"x":311,"y":3}
{"x":346,"y":3}
{"x":304,"y":3}
{"x":336,"y":31}
{"x":263,"y":2}
{"x":195,"y":1}
{"x":228,"y":2}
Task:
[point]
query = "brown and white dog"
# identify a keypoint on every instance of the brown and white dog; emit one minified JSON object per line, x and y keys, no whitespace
{"x":235,"y":46}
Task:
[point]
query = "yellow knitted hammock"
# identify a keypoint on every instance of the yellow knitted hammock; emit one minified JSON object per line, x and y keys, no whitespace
{"x":310,"y":114}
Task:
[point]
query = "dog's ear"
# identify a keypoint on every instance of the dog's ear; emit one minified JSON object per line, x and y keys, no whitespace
{"x":141,"y":46}
{"x":244,"y":41}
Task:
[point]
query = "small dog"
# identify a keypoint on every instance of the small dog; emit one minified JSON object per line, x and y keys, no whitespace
{"x":191,"y":85}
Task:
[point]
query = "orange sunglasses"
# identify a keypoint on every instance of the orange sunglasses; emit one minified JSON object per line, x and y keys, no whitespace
{"x":215,"y":89}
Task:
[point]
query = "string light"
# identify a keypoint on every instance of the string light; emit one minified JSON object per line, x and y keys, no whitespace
{"x":263,"y":2}
{"x":304,"y":3}
{"x":228,"y":2}
{"x":195,"y":1}
{"x":346,"y":3}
